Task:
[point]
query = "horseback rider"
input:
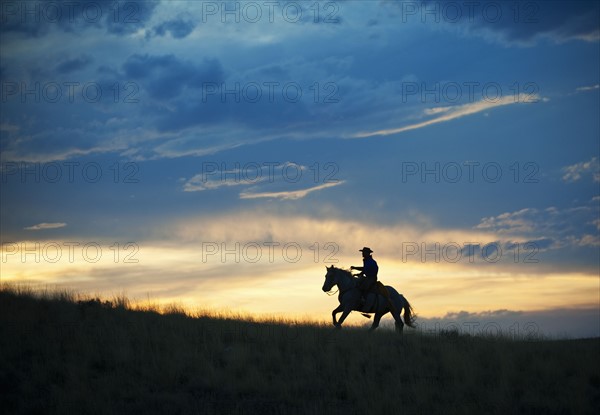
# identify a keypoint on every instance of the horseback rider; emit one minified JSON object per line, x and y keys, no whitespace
{"x":368,"y":272}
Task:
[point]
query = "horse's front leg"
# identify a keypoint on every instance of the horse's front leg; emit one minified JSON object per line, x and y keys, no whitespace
{"x":376,"y":321}
{"x":345,"y":314}
{"x":334,"y":312}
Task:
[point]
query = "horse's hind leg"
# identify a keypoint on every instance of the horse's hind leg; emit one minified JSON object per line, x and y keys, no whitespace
{"x":398,"y":320}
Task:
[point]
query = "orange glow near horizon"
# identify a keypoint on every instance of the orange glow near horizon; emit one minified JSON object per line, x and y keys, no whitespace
{"x":292,"y":291}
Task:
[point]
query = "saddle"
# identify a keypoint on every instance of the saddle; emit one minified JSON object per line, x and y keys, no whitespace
{"x":379,"y":288}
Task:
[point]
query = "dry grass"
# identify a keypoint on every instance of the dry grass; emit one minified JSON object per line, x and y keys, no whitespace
{"x":62,"y":352}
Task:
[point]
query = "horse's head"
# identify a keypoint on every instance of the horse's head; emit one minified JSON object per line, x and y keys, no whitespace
{"x":330,"y":279}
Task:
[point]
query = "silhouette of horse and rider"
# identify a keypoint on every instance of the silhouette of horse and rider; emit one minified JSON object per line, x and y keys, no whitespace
{"x":362,"y":292}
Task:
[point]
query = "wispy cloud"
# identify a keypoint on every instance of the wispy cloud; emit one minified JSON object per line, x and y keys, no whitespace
{"x":44,"y":225}
{"x":554,"y":227}
{"x":288,"y":195}
{"x":436,"y":110}
{"x":451,"y":113}
{"x":512,"y":222}
{"x":200,"y":182}
{"x":588,"y":88}
{"x":10,"y":128}
{"x":258,"y":175}
{"x":576,"y":171}
{"x":249,"y":174}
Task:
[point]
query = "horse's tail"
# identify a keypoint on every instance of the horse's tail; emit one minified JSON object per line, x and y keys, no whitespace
{"x":409,"y":314}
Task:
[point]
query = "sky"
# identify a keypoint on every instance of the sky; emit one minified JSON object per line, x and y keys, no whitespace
{"x":219,"y":155}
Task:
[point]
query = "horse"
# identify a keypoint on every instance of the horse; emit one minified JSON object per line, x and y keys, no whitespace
{"x":349,"y":298}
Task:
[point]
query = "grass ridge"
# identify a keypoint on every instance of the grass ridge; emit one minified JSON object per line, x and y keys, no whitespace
{"x":63,"y":352}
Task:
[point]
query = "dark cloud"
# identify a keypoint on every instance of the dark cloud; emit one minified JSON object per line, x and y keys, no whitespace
{"x":520,"y":22}
{"x":132,"y":16}
{"x":262,"y":116}
{"x":265,"y":99}
{"x":165,"y":76}
{"x":72,"y":65}
{"x":561,"y":20}
{"x":178,"y":28}
{"x":36,"y":18}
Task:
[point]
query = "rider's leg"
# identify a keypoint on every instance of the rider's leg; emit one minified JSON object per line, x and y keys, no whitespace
{"x":363,"y":294}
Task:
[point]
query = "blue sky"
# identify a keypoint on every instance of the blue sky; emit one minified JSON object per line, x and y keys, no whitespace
{"x":181,"y":126}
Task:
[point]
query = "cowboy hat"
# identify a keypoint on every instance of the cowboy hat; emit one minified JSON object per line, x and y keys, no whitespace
{"x":366,"y":249}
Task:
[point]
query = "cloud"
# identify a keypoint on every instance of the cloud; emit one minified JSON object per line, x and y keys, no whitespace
{"x":513,"y":222}
{"x":40,"y":141}
{"x":213,"y":177}
{"x":178,"y":28}
{"x":576,"y":171}
{"x":165,"y":76}
{"x":549,"y":228}
{"x":37,"y":18}
{"x":437,"y":110}
{"x":561,"y":322}
{"x":72,"y":65}
{"x":588,"y":240}
{"x":9,"y":128}
{"x":44,"y":226}
{"x":289,"y":195}
{"x":199,"y":183}
{"x":269,"y":224}
{"x":452,"y":113}
{"x":274,"y":174}
{"x":522,"y":23}
{"x":588,"y":88}
{"x":174,"y":253}
{"x":230,"y":271}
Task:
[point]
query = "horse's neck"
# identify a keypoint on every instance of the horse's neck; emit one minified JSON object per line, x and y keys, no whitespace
{"x":345,"y":281}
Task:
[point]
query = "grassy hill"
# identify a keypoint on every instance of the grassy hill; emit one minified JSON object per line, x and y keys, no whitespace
{"x":58,"y":355}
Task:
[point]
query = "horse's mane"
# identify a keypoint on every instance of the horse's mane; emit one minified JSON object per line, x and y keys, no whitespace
{"x":345,"y":271}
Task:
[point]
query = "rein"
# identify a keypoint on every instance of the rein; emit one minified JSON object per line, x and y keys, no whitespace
{"x":330,"y":292}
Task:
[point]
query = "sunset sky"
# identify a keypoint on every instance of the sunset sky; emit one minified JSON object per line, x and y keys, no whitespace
{"x":221,"y":154}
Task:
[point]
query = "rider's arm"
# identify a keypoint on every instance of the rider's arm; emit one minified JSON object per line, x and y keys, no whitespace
{"x":358,"y":268}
